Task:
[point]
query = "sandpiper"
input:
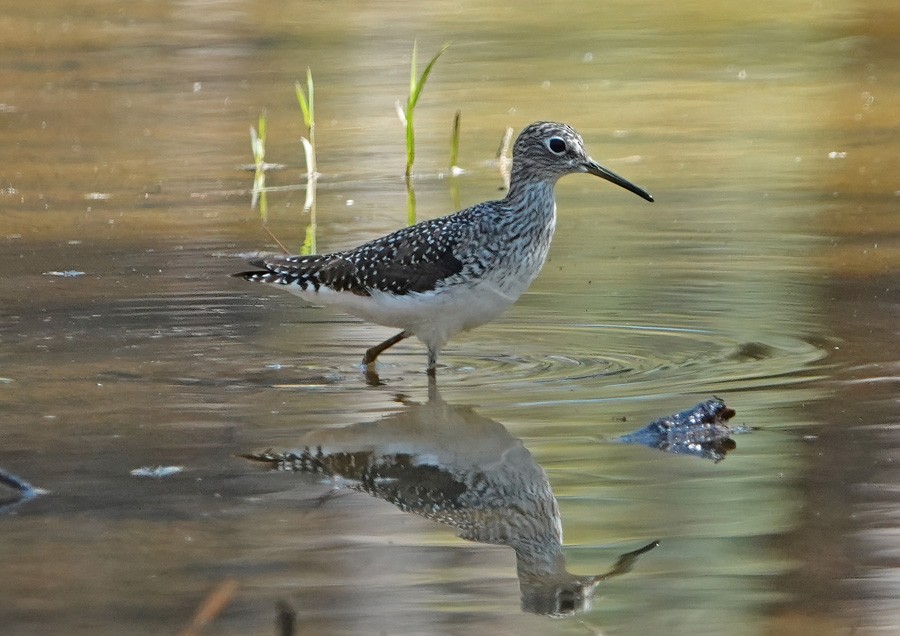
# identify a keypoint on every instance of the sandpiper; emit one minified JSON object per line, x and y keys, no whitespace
{"x":450,"y":274}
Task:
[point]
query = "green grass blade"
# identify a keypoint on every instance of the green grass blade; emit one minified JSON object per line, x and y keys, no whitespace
{"x":410,"y":203}
{"x":263,"y":201}
{"x":454,"y":143}
{"x":415,"y":90}
{"x":410,"y":144}
{"x":258,"y":145}
{"x":304,"y":105}
{"x":307,"y":100}
{"x":416,"y":87}
{"x":263,"y":117}
{"x":412,"y":71}
{"x":309,"y":241}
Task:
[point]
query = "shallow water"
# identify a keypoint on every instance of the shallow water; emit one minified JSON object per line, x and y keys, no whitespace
{"x":766,"y":273}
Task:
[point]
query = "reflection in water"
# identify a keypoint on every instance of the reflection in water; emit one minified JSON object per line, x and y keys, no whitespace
{"x":451,"y":465}
{"x":700,"y":431}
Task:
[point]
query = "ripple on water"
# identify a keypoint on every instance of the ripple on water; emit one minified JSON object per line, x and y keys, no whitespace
{"x":591,"y":361}
{"x":646,"y":359}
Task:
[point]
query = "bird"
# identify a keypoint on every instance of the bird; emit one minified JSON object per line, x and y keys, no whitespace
{"x":447,"y":275}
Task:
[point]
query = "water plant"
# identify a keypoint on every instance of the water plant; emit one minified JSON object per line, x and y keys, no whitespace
{"x":454,"y":146}
{"x":306,"y":100}
{"x":308,"y":107}
{"x":258,"y":146}
{"x":504,"y":163}
{"x":406,"y":113}
{"x":455,"y":170}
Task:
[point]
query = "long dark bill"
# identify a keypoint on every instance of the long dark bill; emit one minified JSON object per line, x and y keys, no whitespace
{"x":596,"y":169}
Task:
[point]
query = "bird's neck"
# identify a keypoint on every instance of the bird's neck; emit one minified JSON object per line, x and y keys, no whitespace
{"x":530,"y":191}
{"x":534,"y":200}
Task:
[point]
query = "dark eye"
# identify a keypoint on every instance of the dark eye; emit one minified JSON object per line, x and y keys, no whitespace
{"x":556,"y":145}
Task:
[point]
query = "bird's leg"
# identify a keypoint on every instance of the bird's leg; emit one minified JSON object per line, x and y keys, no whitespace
{"x":433,"y":394}
{"x":372,"y":377}
{"x":432,"y":362}
{"x":377,"y":350}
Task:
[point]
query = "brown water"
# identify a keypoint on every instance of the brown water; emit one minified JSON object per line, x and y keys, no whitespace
{"x":766,"y":273}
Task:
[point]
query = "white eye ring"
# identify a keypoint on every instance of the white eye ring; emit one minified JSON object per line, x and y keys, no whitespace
{"x":556,"y":145}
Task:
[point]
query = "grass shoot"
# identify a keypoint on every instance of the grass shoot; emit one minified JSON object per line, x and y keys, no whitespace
{"x":308,"y":108}
{"x":455,"y":170}
{"x":416,"y":84}
{"x":258,"y":145}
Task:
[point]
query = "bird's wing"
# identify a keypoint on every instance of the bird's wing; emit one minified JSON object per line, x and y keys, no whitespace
{"x":315,"y":271}
{"x":414,"y":259}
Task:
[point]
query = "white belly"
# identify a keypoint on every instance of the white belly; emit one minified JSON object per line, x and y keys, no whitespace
{"x":434,"y":317}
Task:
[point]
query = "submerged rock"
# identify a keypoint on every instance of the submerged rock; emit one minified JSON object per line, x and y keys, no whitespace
{"x":700,"y":431}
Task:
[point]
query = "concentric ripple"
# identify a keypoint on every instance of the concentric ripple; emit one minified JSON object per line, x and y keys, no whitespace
{"x":633,"y":358}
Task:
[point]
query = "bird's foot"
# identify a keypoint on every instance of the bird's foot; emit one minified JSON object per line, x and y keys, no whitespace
{"x":371,"y":375}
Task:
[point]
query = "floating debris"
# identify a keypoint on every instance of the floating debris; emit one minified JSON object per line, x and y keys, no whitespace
{"x":69,"y":273}
{"x":265,"y":167}
{"x":24,"y":491}
{"x":156,"y":472}
{"x":214,"y":604}
{"x":700,"y":431}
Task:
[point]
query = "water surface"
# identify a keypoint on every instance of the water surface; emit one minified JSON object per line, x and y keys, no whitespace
{"x":765,"y":274}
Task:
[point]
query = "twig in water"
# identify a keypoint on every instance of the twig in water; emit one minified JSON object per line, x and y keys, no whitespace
{"x":213,"y":605}
{"x":503,"y":159}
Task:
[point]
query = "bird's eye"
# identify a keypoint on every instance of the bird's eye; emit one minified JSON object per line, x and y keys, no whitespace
{"x":556,"y":145}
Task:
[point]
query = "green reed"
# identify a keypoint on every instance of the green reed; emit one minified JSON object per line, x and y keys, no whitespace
{"x":454,"y":146}
{"x":258,"y":145}
{"x":308,"y":107}
{"x":416,"y":84}
{"x":306,"y":100}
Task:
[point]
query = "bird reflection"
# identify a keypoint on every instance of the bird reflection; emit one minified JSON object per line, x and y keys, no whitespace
{"x":449,"y":464}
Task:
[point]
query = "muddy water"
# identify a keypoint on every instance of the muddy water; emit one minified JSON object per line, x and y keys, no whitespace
{"x":766,"y":273}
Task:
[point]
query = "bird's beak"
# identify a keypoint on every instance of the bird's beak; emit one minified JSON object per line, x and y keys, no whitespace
{"x":595,"y":168}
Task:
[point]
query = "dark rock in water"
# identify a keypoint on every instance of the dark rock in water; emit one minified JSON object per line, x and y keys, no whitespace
{"x":701,"y":431}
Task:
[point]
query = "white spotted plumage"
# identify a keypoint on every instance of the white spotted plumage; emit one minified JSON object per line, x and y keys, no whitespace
{"x":447,"y":275}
